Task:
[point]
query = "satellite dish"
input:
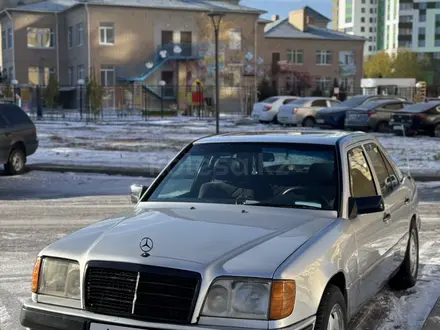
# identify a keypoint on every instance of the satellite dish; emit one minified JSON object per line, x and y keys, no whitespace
{"x":163,"y":53}
{"x":149,"y":65}
{"x":177,"y":50}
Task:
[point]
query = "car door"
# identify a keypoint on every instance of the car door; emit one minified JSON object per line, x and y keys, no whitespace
{"x":5,"y":140}
{"x":396,"y":200}
{"x":368,"y":228}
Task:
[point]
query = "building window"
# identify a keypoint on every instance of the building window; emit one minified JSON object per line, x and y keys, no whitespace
{"x":437,"y":5}
{"x":39,"y":76}
{"x":422,"y":5}
{"x":79,"y":34}
{"x":421,"y":43}
{"x":70,"y":76}
{"x":437,"y":42}
{"x":80,"y":72}
{"x":11,"y":73}
{"x":437,"y":18}
{"x":362,"y":19}
{"x":422,"y":30}
{"x":107,"y":75}
{"x":323,"y":57}
{"x":40,"y":38}
{"x":422,"y":18}
{"x":295,"y":56}
{"x":70,"y":36}
{"x":406,"y":44}
{"x":370,"y":48}
{"x":323,"y":83}
{"x":405,"y":19}
{"x":10,"y":38}
{"x":349,"y":11}
{"x":107,"y":34}
{"x":362,"y":29}
{"x":405,"y":32}
{"x":4,"y":40}
{"x":235,"y":39}
{"x":348,"y":30}
{"x":406,"y":6}
{"x":363,"y":10}
{"x":436,"y":56}
{"x":437,"y":30}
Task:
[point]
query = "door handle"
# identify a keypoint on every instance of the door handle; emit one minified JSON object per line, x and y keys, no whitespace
{"x":386,"y":217}
{"x":407,"y":200}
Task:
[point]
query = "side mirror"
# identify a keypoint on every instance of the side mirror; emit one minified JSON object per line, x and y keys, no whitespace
{"x":364,"y":205}
{"x":137,"y":191}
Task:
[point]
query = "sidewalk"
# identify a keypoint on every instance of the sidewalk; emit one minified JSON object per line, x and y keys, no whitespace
{"x":433,"y":320}
{"x":151,"y":172}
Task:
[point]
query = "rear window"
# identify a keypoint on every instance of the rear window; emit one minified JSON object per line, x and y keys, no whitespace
{"x":14,"y":114}
{"x":420,"y":107}
{"x":270,"y":100}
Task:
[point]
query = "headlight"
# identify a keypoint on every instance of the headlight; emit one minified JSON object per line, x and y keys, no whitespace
{"x":57,"y":277}
{"x":250,"y":299}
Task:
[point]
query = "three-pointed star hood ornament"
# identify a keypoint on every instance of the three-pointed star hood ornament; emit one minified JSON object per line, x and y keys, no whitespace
{"x":146,"y":245}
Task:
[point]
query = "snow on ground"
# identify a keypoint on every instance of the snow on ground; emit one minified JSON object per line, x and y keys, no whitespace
{"x":154,"y":142}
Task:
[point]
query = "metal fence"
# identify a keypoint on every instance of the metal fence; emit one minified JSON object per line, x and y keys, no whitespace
{"x":136,"y":102}
{"x":133,"y":102}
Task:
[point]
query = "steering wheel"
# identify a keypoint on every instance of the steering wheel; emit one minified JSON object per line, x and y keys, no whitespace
{"x":307,"y":192}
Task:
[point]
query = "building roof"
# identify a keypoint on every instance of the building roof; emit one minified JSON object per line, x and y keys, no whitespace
{"x":196,"y":5}
{"x":310,"y":136}
{"x":316,"y":15}
{"x":282,"y":28}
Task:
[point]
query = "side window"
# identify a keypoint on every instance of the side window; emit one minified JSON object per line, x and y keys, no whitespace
{"x":333,"y":103}
{"x":319,"y":103}
{"x":393,"y":106}
{"x":387,"y":179}
{"x":14,"y":115}
{"x":361,"y":179}
{"x":395,"y":173}
{"x":288,"y":100}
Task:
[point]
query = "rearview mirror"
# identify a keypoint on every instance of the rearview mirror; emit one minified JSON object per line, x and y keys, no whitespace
{"x":137,"y":191}
{"x":364,"y":205}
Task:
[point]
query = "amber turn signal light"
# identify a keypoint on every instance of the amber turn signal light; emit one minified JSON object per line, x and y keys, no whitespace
{"x":36,"y":275}
{"x":282,"y":299}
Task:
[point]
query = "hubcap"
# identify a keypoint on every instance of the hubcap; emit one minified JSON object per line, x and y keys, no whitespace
{"x":336,"y":319}
{"x":16,"y":161}
{"x":413,"y":254}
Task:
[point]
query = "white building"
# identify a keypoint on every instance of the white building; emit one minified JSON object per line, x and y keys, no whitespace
{"x":359,"y":17}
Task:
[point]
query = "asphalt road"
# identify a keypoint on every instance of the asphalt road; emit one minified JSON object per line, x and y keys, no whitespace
{"x":40,"y":207}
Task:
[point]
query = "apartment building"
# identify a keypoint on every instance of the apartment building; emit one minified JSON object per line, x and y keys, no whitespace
{"x":365,"y":18}
{"x":142,"y":42}
{"x":304,"y":46}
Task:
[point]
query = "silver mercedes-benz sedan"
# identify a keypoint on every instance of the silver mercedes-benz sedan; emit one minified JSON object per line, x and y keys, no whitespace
{"x":260,"y":230}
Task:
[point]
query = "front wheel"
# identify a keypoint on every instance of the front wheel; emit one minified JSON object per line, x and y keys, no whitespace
{"x":16,"y":162}
{"x":436,"y":131}
{"x":332,"y":311}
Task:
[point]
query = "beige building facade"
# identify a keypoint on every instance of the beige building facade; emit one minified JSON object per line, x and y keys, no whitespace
{"x":142,"y":45}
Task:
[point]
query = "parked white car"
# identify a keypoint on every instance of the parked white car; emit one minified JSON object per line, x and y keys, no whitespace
{"x":267,"y":110}
{"x":302,"y":111}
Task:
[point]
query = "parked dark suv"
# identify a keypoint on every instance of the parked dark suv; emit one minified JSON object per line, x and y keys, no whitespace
{"x":18,"y":138}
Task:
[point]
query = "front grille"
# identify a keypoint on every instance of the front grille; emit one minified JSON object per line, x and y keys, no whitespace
{"x":141,"y":292}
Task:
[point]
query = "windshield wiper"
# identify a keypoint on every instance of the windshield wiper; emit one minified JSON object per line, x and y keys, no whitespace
{"x":296,"y":206}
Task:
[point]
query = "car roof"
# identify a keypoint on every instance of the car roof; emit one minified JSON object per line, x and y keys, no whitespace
{"x":309,"y":136}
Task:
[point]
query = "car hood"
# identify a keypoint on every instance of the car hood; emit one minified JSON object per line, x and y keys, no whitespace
{"x":332,"y":110}
{"x":234,"y":239}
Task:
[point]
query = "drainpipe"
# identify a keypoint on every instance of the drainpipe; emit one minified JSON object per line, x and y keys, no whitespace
{"x":13,"y":43}
{"x":57,"y":47}
{"x":88,"y":39}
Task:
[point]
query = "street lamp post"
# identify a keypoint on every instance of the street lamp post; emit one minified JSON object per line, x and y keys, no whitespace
{"x":216,"y":18}
{"x":80,"y":83}
{"x":162,"y":84}
{"x":14,"y":83}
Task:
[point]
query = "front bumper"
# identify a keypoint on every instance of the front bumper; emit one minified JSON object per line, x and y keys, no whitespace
{"x":37,"y":316}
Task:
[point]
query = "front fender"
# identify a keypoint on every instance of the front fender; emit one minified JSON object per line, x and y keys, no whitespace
{"x":328,"y":253}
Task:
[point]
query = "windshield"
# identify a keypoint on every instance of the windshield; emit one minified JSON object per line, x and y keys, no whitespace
{"x":280,"y":175}
{"x":354,"y":101}
{"x":270,"y":100}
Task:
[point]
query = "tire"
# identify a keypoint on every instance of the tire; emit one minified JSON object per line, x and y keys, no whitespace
{"x":436,"y":131}
{"x":16,"y":162}
{"x":406,"y":276}
{"x":332,"y":304}
{"x":382,"y":127}
{"x":308,"y":122}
